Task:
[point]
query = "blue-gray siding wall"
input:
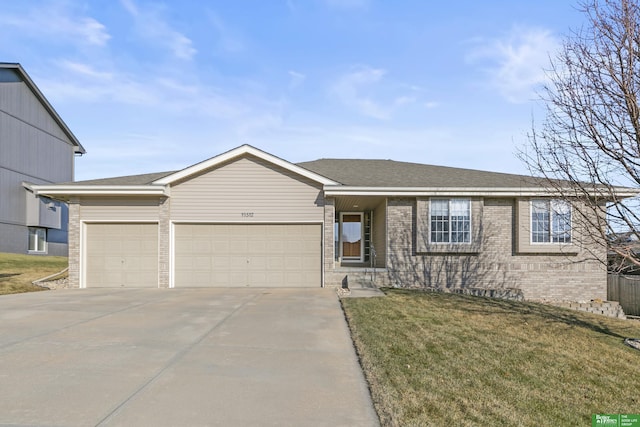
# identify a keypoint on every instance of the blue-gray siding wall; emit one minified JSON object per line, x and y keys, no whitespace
{"x":35,"y":149}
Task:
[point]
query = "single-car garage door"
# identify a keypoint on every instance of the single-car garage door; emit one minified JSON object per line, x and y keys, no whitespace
{"x":122,"y":255}
{"x":228,"y":255}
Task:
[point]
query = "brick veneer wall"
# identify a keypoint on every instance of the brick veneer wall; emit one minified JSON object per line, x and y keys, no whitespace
{"x":74,"y":243}
{"x":328,"y":248}
{"x":164,"y":255}
{"x":497,"y":265}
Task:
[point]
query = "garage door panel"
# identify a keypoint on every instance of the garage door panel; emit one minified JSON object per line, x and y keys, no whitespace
{"x":201,"y":262}
{"x":238,"y":278}
{"x":220,"y":246}
{"x":249,"y":255}
{"x":277,"y":247}
{"x":238,"y":247}
{"x":203,"y":246}
{"x":216,"y":277}
{"x":221,"y":263}
{"x":121,"y":255}
{"x":258,"y":247}
{"x":308,"y":263}
{"x":275,"y":263}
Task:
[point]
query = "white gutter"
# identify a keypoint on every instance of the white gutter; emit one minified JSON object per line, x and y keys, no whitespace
{"x":98,"y":190}
{"x":622,"y":192}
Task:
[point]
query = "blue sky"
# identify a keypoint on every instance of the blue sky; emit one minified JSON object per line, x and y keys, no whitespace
{"x":150,"y":86}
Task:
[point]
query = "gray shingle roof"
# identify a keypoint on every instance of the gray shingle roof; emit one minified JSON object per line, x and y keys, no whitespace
{"x":390,"y":173}
{"x":374,"y":173}
{"x":143,"y":179}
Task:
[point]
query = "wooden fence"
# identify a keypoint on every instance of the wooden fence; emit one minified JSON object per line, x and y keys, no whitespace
{"x":625,"y":290}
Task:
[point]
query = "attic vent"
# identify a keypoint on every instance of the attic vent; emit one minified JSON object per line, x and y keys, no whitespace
{"x":9,"y":75}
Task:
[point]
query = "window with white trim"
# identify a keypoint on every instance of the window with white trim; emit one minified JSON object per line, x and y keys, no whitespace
{"x":550,"y":221}
{"x":37,"y":239}
{"x":450,"y":220}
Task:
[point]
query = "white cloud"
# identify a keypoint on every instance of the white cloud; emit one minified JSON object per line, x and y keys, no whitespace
{"x":153,"y":27}
{"x":56,"y":21}
{"x":228,"y":39}
{"x":404,"y":100}
{"x":92,"y":31}
{"x":367,"y":91}
{"x":515,"y":64}
{"x":355,"y":89}
{"x":86,"y":70}
{"x":296,"y":79}
{"x":130,"y":7}
{"x":81,"y":83}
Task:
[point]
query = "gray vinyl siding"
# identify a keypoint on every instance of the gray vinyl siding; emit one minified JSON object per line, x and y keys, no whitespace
{"x":43,"y":212}
{"x":119,"y":209}
{"x":33,"y":153}
{"x":249,"y":186}
{"x":13,"y":206}
{"x":13,"y":238}
{"x":33,"y":148}
{"x":379,"y":235}
{"x":17,"y":100}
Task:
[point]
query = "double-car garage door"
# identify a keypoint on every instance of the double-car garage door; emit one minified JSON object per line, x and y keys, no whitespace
{"x":206,"y":255}
{"x":271,"y":255}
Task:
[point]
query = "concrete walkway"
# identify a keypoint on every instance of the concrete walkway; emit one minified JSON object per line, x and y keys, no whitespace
{"x":168,"y":357}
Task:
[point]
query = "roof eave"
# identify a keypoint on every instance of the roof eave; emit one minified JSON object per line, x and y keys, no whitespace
{"x":331,"y":190}
{"x":67,"y":191}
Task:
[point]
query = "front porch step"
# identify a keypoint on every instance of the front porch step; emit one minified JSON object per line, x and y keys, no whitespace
{"x":357,"y":278}
{"x":361,"y":279}
{"x":360,"y":283}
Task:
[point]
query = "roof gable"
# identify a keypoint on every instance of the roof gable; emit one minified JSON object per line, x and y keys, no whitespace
{"x":14,"y":73}
{"x":237,"y":153}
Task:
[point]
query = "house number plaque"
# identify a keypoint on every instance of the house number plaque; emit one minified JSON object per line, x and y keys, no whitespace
{"x":246,"y":214}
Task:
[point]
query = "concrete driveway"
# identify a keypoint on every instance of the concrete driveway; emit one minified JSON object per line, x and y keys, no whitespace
{"x":188,"y":357}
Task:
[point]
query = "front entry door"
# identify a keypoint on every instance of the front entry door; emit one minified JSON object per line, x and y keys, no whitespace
{"x":351,"y":246}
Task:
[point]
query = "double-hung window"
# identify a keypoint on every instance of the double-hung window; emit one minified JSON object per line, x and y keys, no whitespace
{"x":450,"y":220}
{"x":550,"y":221}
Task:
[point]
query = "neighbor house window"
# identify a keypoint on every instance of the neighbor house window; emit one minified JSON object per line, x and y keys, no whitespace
{"x":550,"y":221}
{"x":450,"y":220}
{"x":37,"y":239}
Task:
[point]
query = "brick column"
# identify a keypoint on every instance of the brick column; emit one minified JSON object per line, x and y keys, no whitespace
{"x":164,"y":227}
{"x":74,"y":242}
{"x":329,"y":255}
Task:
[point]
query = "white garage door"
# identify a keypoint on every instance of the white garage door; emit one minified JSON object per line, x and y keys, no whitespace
{"x":271,"y":255}
{"x":122,"y":255}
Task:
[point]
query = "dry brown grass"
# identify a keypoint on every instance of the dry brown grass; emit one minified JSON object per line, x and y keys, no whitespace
{"x":443,"y":359}
{"x":18,"y":271}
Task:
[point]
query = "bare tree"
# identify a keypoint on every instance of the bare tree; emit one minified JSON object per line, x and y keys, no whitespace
{"x":588,"y":147}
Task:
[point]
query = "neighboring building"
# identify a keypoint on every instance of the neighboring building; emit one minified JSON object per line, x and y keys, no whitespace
{"x":36,"y":146}
{"x":622,"y":247}
{"x":247,"y":218}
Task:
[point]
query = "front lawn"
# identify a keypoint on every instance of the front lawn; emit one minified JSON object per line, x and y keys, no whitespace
{"x":18,"y":271}
{"x":435,"y":359}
